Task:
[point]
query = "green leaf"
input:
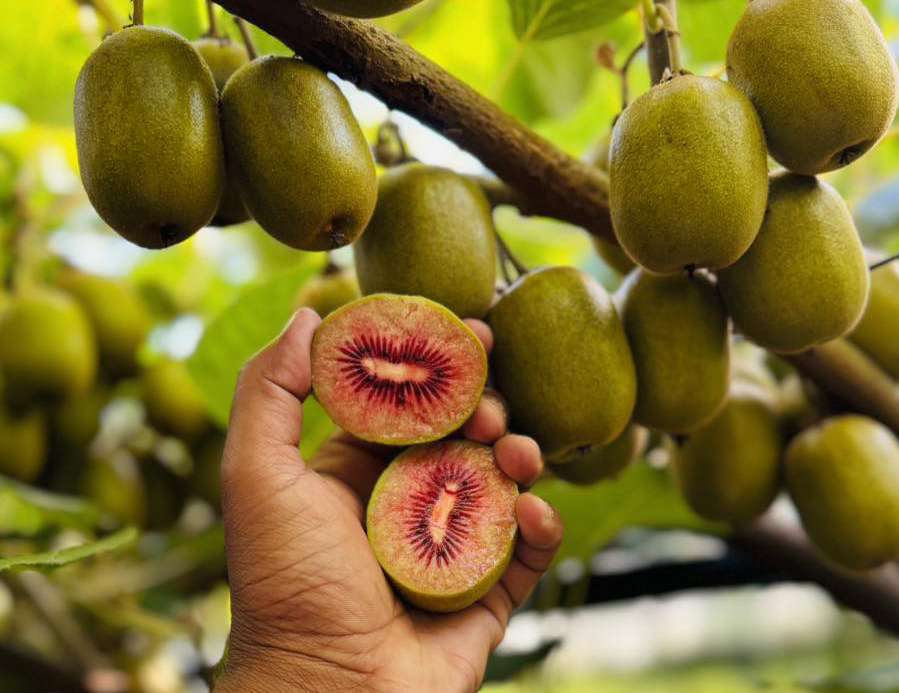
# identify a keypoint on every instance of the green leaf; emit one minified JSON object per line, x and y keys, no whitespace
{"x":642,"y":496}
{"x":240,"y":331}
{"x":538,"y":20}
{"x":27,"y":511}
{"x":54,"y":559}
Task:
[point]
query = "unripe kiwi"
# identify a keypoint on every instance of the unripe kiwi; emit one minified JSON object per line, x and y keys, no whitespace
{"x":843,"y":476}
{"x":118,"y":315}
{"x":877,"y":333}
{"x":688,"y":175}
{"x":820,"y":75}
{"x":679,"y":335}
{"x":593,"y":463}
{"x":224,"y":57}
{"x":173,"y":401}
{"x":23,"y":444}
{"x":562,"y":361}
{"x":147,"y":129}
{"x":804,"y":281}
{"x":329,"y":291}
{"x":47,"y":348}
{"x":302,"y":163}
{"x":431,"y":235}
{"x":115,"y":484}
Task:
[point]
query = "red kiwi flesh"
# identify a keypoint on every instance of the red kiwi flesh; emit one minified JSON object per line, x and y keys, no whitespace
{"x":441,"y":522}
{"x":397,"y":370}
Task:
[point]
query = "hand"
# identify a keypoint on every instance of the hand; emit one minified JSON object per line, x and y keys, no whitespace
{"x":311,"y":608}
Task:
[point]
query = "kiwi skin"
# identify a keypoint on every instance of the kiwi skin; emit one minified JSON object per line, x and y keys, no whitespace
{"x":586,"y":466}
{"x":433,"y":601}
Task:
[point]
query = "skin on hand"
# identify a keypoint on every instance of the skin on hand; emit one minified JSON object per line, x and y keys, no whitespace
{"x":311,"y":608}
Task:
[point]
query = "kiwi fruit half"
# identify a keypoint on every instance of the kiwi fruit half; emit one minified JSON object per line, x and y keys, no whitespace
{"x":397,"y":369}
{"x":441,"y":522}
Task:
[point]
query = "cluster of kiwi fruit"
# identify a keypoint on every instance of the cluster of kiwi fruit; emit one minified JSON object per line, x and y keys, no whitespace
{"x":69,"y":353}
{"x":709,"y":241}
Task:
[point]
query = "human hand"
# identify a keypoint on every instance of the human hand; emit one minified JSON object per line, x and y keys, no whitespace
{"x":311,"y":608}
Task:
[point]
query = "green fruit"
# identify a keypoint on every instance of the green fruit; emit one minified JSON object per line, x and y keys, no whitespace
{"x":613,"y":255}
{"x":75,"y":422}
{"x":588,"y":465}
{"x":804,"y":281}
{"x":397,"y":370}
{"x":165,"y":497}
{"x":688,"y":175}
{"x":147,"y":130}
{"x":820,"y":75}
{"x":843,"y":476}
{"x":173,"y":402}
{"x":224,"y":57}
{"x":878,"y":331}
{"x":303,"y":165}
{"x":562,"y":361}
{"x":47,"y":348}
{"x":23,"y":445}
{"x":441,"y":522}
{"x":729,"y":470}
{"x":205,"y":480}
{"x":679,"y":335}
{"x":118,"y":316}
{"x":115,"y":485}
{"x":431,"y":235}
{"x":363,"y":8}
{"x":328,"y":292}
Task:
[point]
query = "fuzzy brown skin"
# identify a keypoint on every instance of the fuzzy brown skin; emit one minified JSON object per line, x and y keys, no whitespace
{"x":312,"y":610}
{"x":302,"y":163}
{"x":147,"y":129}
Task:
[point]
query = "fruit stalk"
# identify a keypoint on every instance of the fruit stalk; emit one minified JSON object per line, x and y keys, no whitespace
{"x":555,"y":184}
{"x":657,"y":44}
{"x":137,"y":16}
{"x":246,"y":37}
{"x":213,"y":22}
{"x":883,"y":263}
{"x":672,"y":35}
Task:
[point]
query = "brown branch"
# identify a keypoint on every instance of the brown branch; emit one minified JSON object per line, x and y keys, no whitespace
{"x":785,"y":549}
{"x":657,"y":46}
{"x":556,"y":184}
{"x":842,"y":370}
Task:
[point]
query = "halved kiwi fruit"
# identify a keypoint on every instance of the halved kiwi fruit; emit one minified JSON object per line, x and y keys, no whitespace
{"x":397,"y":370}
{"x":441,"y":522}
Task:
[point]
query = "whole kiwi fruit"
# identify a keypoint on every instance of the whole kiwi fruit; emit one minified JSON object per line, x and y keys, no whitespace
{"x":562,"y":361}
{"x":843,"y":476}
{"x":431,"y":235}
{"x":173,"y":401}
{"x":679,"y":335}
{"x":118,"y":315}
{"x":224,"y":57}
{"x":47,"y":348}
{"x":329,"y":291}
{"x":820,"y":75}
{"x":114,"y":483}
{"x":688,"y":175}
{"x":729,"y":469}
{"x":613,"y":255}
{"x":804,"y":281}
{"x":147,"y":130}
{"x":302,"y":163}
{"x":593,"y":463}
{"x":23,"y":444}
{"x":877,"y":333}
{"x":363,"y":8}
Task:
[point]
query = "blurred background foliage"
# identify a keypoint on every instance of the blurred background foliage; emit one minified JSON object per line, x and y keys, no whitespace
{"x":148,"y":609}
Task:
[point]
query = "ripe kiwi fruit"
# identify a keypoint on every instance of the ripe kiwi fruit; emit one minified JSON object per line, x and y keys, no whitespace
{"x":363,"y":8}
{"x":804,"y":281}
{"x":679,"y":334}
{"x":397,"y":369}
{"x":441,"y":522}
{"x":877,"y":333}
{"x":329,"y":291}
{"x":302,"y":163}
{"x":172,"y":400}
{"x":562,"y":361}
{"x":23,"y":444}
{"x":147,"y":130}
{"x":613,"y":255}
{"x":843,"y":476}
{"x":820,"y":75}
{"x":592,"y":463}
{"x":118,"y":315}
{"x":688,"y":175}
{"x":224,"y":57}
{"x":729,"y":469}
{"x":431,"y":235}
{"x":47,"y":348}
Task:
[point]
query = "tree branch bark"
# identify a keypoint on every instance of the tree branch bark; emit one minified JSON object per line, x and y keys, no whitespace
{"x":657,"y":46}
{"x":555,"y":184}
